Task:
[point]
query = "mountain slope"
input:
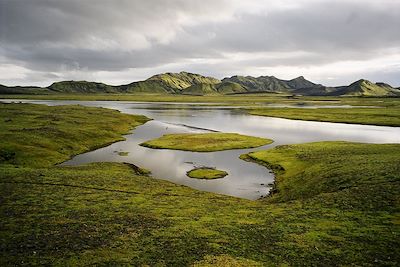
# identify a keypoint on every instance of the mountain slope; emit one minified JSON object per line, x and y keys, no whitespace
{"x":259,"y":84}
{"x":13,"y":90}
{"x":169,"y":83}
{"x":366,"y":88}
{"x":196,"y":84}
{"x":201,"y":89}
{"x":273,"y":84}
{"x":82,"y":87}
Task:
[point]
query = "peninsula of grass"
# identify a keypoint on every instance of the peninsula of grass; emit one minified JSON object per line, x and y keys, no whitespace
{"x":337,"y":204}
{"x":38,"y":135}
{"x":308,"y":170}
{"x":206,"y":142}
{"x":384,"y":116}
{"x":206,"y":173}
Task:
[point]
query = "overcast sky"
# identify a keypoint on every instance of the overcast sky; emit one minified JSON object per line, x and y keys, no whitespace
{"x":333,"y":42}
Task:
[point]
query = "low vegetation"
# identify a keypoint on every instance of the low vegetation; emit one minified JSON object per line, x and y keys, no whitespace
{"x":308,"y":170}
{"x":206,"y":173}
{"x":206,"y":142}
{"x":38,"y":135}
{"x":113,"y":214}
{"x":376,"y":116}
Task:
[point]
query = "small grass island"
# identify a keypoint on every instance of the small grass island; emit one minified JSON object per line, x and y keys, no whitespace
{"x":206,"y":142}
{"x":206,"y":173}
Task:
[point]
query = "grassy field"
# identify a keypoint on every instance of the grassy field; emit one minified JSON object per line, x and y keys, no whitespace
{"x":242,"y":99}
{"x":113,"y":214}
{"x":37,"y":135}
{"x":387,"y":116}
{"x":206,"y":173}
{"x":206,"y":142}
{"x":307,"y":170}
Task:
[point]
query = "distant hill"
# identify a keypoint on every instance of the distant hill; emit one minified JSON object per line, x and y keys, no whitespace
{"x":195,"y":84}
{"x":272,"y":84}
{"x":172,"y":83}
{"x":82,"y":87}
{"x":30,"y":90}
{"x":366,"y":88}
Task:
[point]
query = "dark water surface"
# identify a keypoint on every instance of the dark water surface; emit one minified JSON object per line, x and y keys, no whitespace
{"x":245,"y":179}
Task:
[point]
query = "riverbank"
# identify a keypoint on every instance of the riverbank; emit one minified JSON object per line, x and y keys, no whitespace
{"x":385,"y":116}
{"x":114,"y":214}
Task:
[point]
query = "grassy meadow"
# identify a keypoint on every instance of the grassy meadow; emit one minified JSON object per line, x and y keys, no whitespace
{"x":385,"y":116}
{"x":206,"y":142}
{"x":334,"y":203}
{"x":206,"y":173}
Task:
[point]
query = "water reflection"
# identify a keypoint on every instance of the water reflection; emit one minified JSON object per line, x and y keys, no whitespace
{"x":246,"y":180}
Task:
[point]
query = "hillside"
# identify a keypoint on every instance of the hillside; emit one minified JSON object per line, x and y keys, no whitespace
{"x":174,"y":83}
{"x":259,"y":84}
{"x":30,"y":90}
{"x":366,"y":88}
{"x":195,"y":84}
{"x":82,"y":87}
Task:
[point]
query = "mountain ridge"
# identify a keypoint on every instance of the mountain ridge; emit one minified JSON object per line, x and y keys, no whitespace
{"x":186,"y":83}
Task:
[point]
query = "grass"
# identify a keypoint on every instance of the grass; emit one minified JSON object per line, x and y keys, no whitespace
{"x":113,"y":214}
{"x":308,"y":170}
{"x":206,"y":173}
{"x":377,"y":116}
{"x":123,"y":153}
{"x":242,"y":99}
{"x":206,"y":142}
{"x":38,"y":135}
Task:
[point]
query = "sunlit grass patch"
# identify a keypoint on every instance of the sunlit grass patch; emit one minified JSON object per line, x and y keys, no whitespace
{"x":206,"y":173}
{"x":206,"y":142}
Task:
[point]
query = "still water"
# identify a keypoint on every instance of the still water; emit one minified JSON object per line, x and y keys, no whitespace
{"x":245,"y":179}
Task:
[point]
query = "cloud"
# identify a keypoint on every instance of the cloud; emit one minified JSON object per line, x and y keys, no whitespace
{"x":121,"y":41}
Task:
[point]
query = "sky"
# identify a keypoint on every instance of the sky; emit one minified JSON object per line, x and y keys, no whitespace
{"x":332,"y":42}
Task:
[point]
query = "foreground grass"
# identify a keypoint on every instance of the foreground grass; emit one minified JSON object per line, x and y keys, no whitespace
{"x":388,"y":116}
{"x":114,"y":214}
{"x":206,"y":173}
{"x":206,"y":142}
{"x":307,"y":170}
{"x":38,"y":135}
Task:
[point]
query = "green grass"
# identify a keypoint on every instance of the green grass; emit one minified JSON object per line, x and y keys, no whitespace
{"x":38,"y":135}
{"x":123,"y":153}
{"x":376,"y":116}
{"x":113,"y":214}
{"x":206,"y":173}
{"x":308,"y":170}
{"x":206,"y":142}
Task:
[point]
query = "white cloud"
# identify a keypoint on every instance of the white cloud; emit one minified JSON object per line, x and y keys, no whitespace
{"x":125,"y":40}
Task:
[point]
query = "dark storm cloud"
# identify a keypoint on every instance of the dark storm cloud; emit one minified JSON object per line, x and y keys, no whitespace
{"x":214,"y":36}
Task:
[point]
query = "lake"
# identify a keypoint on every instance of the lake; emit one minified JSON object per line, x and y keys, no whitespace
{"x":244,"y":179}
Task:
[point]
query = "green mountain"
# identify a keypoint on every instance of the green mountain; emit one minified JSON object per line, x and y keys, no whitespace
{"x":201,"y":89}
{"x":366,"y":88}
{"x":194,"y":84}
{"x":227,"y":87}
{"x":169,"y":83}
{"x":259,"y":84}
{"x":31,"y":90}
{"x":273,"y":84}
{"x":82,"y":87}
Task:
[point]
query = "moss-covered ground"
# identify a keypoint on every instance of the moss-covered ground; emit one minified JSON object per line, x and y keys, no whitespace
{"x":113,"y":214}
{"x":38,"y":135}
{"x":386,"y":116}
{"x":206,"y":142}
{"x":206,"y":173}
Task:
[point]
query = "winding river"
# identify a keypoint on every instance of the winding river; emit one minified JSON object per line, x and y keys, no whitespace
{"x":245,"y":179}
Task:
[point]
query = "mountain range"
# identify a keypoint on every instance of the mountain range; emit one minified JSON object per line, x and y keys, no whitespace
{"x":185,"y":83}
